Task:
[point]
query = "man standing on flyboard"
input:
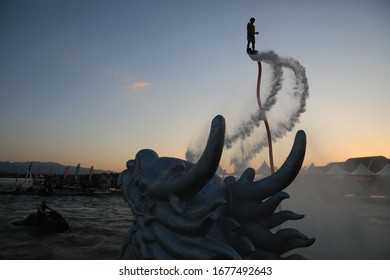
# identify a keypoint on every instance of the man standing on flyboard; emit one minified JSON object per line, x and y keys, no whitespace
{"x":251,"y":32}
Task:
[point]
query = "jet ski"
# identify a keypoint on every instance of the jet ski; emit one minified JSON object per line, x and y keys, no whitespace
{"x":51,"y":221}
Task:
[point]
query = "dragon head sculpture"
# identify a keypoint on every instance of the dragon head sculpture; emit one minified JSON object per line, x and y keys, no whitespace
{"x":185,"y":211}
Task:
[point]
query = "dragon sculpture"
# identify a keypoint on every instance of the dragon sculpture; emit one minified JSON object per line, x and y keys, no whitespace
{"x":185,"y":211}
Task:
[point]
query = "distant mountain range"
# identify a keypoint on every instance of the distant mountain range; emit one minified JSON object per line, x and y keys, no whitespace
{"x":49,"y":168}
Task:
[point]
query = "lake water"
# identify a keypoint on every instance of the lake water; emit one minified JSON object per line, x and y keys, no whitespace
{"x":99,"y":225}
{"x":345,"y":226}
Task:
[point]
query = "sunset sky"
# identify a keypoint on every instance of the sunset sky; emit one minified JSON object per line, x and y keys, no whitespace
{"x":93,"y":82}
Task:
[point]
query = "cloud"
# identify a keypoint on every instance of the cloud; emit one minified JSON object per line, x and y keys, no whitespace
{"x":125,"y":78}
{"x":140,"y":85}
{"x":137,"y":89}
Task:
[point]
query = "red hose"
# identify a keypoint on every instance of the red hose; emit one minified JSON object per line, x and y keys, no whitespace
{"x":271,"y":157}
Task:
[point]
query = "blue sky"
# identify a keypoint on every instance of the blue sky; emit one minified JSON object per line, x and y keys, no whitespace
{"x":93,"y":82}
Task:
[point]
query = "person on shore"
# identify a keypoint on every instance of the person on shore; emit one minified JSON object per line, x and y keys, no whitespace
{"x":251,"y":32}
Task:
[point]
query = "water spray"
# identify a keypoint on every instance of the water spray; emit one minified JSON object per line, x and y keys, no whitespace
{"x":248,"y":126}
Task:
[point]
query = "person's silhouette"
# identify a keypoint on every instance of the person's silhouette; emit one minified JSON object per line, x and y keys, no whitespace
{"x":251,"y":32}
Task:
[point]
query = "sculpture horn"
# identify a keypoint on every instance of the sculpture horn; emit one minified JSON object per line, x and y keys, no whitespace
{"x":280,"y":179}
{"x":190,"y":183}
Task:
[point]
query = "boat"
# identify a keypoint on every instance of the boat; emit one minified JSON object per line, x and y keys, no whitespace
{"x":28,"y":181}
{"x":51,"y":221}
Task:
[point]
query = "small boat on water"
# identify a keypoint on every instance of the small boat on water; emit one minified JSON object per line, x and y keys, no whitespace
{"x":28,"y":181}
{"x":51,"y":221}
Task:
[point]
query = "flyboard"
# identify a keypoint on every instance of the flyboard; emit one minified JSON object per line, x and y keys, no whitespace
{"x":256,"y":56}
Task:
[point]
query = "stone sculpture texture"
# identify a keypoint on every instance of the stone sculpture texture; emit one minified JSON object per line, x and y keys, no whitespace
{"x":185,"y":211}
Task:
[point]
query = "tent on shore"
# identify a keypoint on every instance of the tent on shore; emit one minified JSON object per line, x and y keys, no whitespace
{"x":337,"y":170}
{"x":385,"y":171}
{"x":362,"y":170}
{"x":312,"y":170}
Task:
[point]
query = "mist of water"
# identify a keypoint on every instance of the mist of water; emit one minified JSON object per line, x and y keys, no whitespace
{"x":347,"y":217}
{"x":250,"y":123}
